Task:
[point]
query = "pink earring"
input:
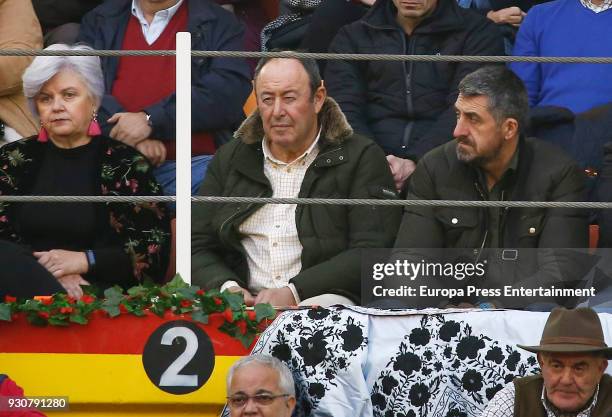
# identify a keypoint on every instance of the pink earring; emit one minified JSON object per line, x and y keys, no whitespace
{"x":94,"y":126}
{"x":43,"y":136}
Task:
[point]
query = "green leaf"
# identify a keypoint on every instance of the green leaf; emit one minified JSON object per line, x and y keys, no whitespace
{"x":158,"y":309}
{"x":188,"y":292}
{"x":78,"y":318}
{"x":113,"y":294}
{"x":245,"y":339}
{"x":5,"y":312}
{"x":57,"y":322}
{"x":176,"y":283}
{"x":112,"y":310}
{"x":137,"y":291}
{"x":200,"y":316}
{"x":264,"y":311}
{"x":235,"y":300}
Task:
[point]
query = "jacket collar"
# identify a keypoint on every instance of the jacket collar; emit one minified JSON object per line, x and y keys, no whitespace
{"x":334,"y":126}
{"x":199,"y":10}
{"x":520,"y":177}
{"x":446,"y":17}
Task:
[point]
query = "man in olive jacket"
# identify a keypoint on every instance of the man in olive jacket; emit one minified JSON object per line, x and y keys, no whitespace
{"x":296,"y":144}
{"x":573,"y":357}
{"x":490,"y":160}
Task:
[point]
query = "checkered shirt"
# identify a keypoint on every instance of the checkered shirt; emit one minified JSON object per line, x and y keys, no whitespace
{"x":502,"y":404}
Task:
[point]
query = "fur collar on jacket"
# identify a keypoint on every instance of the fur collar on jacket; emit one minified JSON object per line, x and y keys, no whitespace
{"x":334,"y":124}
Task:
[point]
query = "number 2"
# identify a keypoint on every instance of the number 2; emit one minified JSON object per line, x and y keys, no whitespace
{"x":171,"y":376}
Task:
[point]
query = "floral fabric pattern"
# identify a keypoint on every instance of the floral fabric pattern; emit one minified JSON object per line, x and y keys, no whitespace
{"x":142,"y":228}
{"x":320,"y":346}
{"x":442,"y":368}
{"x":359,"y":362}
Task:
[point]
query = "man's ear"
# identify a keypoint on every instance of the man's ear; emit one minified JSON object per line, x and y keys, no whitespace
{"x":291,"y":401}
{"x":319,"y":97}
{"x":540,"y":360}
{"x":510,"y":128}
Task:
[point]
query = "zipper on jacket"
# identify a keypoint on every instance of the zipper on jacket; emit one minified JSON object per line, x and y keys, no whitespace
{"x":486,"y":234}
{"x":409,"y":50}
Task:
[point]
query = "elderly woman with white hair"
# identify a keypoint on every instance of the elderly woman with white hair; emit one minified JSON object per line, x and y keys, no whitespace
{"x":46,"y":247}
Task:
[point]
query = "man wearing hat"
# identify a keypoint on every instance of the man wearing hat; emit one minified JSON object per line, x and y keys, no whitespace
{"x":573,"y":357}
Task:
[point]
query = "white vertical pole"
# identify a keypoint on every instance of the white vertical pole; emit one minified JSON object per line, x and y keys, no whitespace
{"x":183,"y":155}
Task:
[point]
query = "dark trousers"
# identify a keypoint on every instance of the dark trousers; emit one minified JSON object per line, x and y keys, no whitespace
{"x":21,"y":275}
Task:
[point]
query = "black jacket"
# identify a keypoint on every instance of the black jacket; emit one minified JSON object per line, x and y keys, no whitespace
{"x":407,"y":107}
{"x":544,"y":173}
{"x":347,"y":166}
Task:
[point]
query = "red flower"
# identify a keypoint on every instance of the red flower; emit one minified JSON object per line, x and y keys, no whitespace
{"x":46,"y":300}
{"x":133,"y":185}
{"x":9,"y":299}
{"x":153,"y":249}
{"x":66,"y":310}
{"x":43,"y":315}
{"x":123,"y":309}
{"x":228,"y":315}
{"x":200,"y":292}
{"x":217,"y":301}
{"x":242,"y":326}
{"x":87,"y":299}
{"x":71,"y":299}
{"x":251,"y":315}
{"x":3,"y":219}
{"x":185,"y":303}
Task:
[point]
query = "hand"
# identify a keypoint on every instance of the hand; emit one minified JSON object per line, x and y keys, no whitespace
{"x":510,"y":15}
{"x":72,"y":285}
{"x":61,"y":262}
{"x":130,"y":128}
{"x":277,"y":297}
{"x":249,"y":299}
{"x":154,"y":150}
{"x":401,"y":169}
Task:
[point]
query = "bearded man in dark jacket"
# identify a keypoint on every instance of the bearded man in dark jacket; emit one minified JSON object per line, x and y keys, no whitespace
{"x":406,"y":107}
{"x":297,"y":144}
{"x":491,"y":160}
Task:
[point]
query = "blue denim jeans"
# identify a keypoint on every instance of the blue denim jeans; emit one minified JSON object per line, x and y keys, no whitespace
{"x":166,"y":175}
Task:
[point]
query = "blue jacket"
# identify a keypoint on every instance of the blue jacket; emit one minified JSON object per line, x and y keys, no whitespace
{"x":220,"y":86}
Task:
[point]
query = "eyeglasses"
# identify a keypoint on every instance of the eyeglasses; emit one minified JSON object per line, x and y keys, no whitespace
{"x":240,"y":400}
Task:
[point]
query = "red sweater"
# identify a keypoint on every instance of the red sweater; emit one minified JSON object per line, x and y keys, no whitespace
{"x":144,"y":81}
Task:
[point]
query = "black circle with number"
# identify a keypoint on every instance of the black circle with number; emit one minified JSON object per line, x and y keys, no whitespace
{"x":178,"y":357}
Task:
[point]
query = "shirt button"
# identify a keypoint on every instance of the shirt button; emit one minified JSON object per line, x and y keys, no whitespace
{"x":454,"y":220}
{"x":288,"y":169}
{"x":341,"y":157}
{"x":277,"y":226}
{"x":328,"y":161}
{"x":275,"y":244}
{"x":277,"y":277}
{"x":532,"y":230}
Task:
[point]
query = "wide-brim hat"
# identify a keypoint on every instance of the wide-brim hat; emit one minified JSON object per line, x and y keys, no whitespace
{"x":572,"y":331}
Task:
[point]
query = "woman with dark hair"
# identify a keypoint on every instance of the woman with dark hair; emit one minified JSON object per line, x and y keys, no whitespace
{"x":46,"y":247}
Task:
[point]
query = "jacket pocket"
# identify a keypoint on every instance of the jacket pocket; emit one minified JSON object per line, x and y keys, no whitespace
{"x":460,"y":226}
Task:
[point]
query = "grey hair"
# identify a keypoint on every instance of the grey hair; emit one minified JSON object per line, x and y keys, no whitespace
{"x":285,"y":377}
{"x":504,"y":90}
{"x":43,"y":68}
